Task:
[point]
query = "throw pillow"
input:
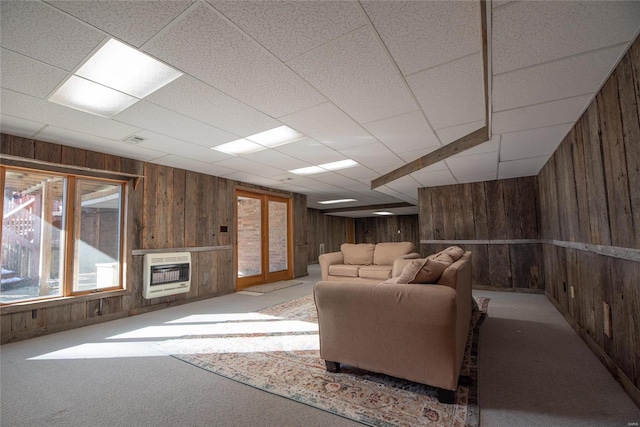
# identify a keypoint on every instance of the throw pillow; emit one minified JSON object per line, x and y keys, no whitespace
{"x":432,"y":269}
{"x":409,"y":271}
{"x":357,"y":254}
{"x":454,"y":252}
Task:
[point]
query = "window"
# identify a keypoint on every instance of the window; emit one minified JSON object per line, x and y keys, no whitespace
{"x":61,"y":234}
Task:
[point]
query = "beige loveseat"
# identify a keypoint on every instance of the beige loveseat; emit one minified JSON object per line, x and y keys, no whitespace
{"x":364,"y":262}
{"x":407,"y":330}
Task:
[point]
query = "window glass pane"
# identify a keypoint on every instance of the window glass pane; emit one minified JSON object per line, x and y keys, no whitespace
{"x":33,"y":218}
{"x":277,"y":236}
{"x":249,"y":237}
{"x":97,"y":235}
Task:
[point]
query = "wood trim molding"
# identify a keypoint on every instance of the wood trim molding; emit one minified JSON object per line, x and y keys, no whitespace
{"x":629,"y":254}
{"x":22,"y":162}
{"x":138,"y":252}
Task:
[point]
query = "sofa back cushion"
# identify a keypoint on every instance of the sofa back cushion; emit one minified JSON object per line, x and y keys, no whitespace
{"x":357,"y":254}
{"x":455,"y":252}
{"x":427,"y":270}
{"x":385,"y":253}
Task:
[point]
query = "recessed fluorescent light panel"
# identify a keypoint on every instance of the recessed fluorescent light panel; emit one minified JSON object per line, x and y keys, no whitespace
{"x":330,"y":202}
{"x":239,"y":146}
{"x":342,"y":164}
{"x":261,"y":141}
{"x":276,"y":136}
{"x":383,"y":213}
{"x":116,"y":68}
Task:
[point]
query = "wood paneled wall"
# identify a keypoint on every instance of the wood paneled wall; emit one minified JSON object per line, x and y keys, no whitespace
{"x":397,"y":228}
{"x":327,"y":229}
{"x":171,"y":208}
{"x":495,"y":220}
{"x":590,"y":194}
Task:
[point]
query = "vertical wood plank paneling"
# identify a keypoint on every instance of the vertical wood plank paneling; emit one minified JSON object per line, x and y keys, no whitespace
{"x":178,"y":207}
{"x":631,"y":135}
{"x":580,"y":179}
{"x":465,"y":229}
{"x":526,"y":265}
{"x":438,"y":214}
{"x":21,"y":147}
{"x":425,"y":215}
{"x":615,"y":165}
{"x":150,"y":207}
{"x":73,"y":156}
{"x":94,"y":160}
{"x":500,"y":266}
{"x":163,"y":223}
{"x":479,"y":204}
{"x":599,"y":230}
{"x":494,"y":194}
{"x":48,"y":152}
{"x":191,"y":208}
{"x":112,"y":163}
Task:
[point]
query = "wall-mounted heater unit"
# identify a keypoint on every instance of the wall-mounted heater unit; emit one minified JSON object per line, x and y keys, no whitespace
{"x":166,"y":274}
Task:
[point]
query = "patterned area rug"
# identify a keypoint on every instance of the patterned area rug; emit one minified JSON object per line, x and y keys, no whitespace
{"x":276,"y":350}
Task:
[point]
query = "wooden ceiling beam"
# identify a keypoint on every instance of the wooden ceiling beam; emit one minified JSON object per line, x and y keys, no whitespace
{"x":368,"y":208}
{"x":476,"y":137}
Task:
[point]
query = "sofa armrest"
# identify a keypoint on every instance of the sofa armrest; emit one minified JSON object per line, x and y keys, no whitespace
{"x":328,"y":259}
{"x":408,"y":331}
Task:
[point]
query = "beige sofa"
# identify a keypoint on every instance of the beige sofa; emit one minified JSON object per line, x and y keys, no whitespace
{"x":364,"y":262}
{"x":408,"y":330}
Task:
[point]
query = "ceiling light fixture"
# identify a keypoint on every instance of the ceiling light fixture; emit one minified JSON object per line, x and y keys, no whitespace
{"x":114,"y":78}
{"x":261,"y":141}
{"x":383,"y":213}
{"x":327,"y":167}
{"x":330,"y":202}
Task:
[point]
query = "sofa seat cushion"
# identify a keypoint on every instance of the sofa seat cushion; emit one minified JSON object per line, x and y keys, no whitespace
{"x":385,"y":253}
{"x":381,"y":272}
{"x":344,"y":270}
{"x":357,"y":254}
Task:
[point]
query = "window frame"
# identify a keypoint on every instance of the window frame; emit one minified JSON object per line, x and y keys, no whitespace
{"x":71,"y":231}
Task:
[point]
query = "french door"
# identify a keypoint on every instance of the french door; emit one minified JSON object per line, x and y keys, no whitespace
{"x":263,"y":247}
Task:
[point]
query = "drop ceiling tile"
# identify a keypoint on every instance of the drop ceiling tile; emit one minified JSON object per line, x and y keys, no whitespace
{"x":34,"y":109}
{"x":554,"y":80}
{"x":244,"y":165}
{"x":409,"y":156}
{"x":491,"y":146}
{"x":273,"y":157}
{"x":373,"y":155}
{"x":532,"y":32}
{"x":532,"y":143}
{"x":359,"y":173}
{"x":289,"y":29}
{"x":406,"y":132}
{"x":546,"y":114}
{"x":451,"y":94}
{"x":205,"y":45}
{"x":135,"y":24}
{"x":522,"y":167}
{"x":193,"y":98}
{"x":334,"y":179}
{"x":193,"y":165}
{"x":180,"y":148}
{"x":474,"y":164}
{"x":406,"y":184}
{"x":424,"y":34}
{"x":411,"y":196}
{"x":312,"y":151}
{"x":450,"y":134}
{"x":356,"y":73}
{"x":25,"y":75}
{"x":95,"y":143}
{"x":18,"y":126}
{"x":41,"y":32}
{"x":160,"y":120}
{"x":490,"y":176}
{"x":330,"y":125}
{"x":434,"y":179}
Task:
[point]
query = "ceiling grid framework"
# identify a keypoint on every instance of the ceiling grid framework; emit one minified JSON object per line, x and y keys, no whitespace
{"x":379,"y":82}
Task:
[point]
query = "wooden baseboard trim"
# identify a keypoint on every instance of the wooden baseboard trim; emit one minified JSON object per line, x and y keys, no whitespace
{"x":516,"y":290}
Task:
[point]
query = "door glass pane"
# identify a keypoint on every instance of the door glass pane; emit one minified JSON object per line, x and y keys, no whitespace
{"x":32,"y":222}
{"x":249,"y":237}
{"x":97,"y":232}
{"x":277,"y":236}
